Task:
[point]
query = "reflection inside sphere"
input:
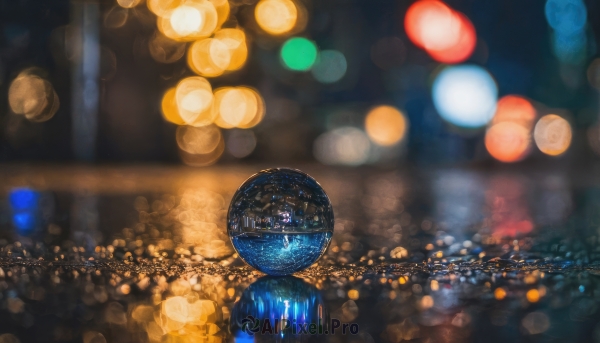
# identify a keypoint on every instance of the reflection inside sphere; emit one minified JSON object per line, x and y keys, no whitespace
{"x":280,"y":221}
{"x":281,"y":301}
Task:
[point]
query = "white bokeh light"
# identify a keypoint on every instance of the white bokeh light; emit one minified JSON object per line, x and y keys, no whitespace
{"x":465,"y":95}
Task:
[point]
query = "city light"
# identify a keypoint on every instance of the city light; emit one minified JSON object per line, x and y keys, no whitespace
{"x":194,"y":99}
{"x":299,"y":54}
{"x":552,"y":135}
{"x":465,"y":95}
{"x":385,"y":125}
{"x":276,"y":17}
{"x":330,"y":66}
{"x":507,"y":141}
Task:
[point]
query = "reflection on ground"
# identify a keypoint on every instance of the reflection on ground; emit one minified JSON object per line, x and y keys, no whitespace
{"x":142,"y":255}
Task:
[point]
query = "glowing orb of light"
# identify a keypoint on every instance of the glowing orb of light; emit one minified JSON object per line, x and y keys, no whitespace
{"x":194,"y":99}
{"x":464,"y":47}
{"x":33,"y":97}
{"x":465,"y":95}
{"x":169,"y":108}
{"x":198,"y":140}
{"x":194,"y":20}
{"x":385,"y":125}
{"x":507,"y":141}
{"x":239,"y":107}
{"x":515,"y":109}
{"x":186,"y":20}
{"x":209,"y":57}
{"x":447,"y":35}
{"x":330,"y":67}
{"x":235,"y":41}
{"x":299,"y":54}
{"x":566,"y":16}
{"x":276,"y":17}
{"x":346,"y":146}
{"x":552,"y":135}
{"x":430,"y":24}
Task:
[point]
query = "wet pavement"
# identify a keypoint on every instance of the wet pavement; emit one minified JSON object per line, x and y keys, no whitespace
{"x":141,"y":254}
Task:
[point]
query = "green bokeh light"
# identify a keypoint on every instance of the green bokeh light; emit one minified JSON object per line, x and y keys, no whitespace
{"x":299,"y":54}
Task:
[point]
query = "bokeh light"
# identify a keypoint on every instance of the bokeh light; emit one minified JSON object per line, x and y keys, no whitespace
{"x":235,"y":41}
{"x":448,"y":36}
{"x":222,"y":7}
{"x":165,"y":50}
{"x":208,"y":57}
{"x":299,"y":54}
{"x":194,"y":99}
{"x":593,"y":138}
{"x":198,"y":140}
{"x":33,"y":97}
{"x":507,"y":141}
{"x":169,"y":108}
{"x":465,"y":95}
{"x":552,"y":135}
{"x":276,"y":17}
{"x":330,"y":66}
{"x":462,"y":49}
{"x":202,"y":160}
{"x":128,"y":3}
{"x":191,"y":21}
{"x":241,"y":143}
{"x":162,"y":7}
{"x":186,"y":20}
{"x":388,"y":52}
{"x":516,"y":109}
{"x":385,"y":125}
{"x":593,"y":73}
{"x":240,"y":107}
{"x":566,"y":16}
{"x":346,"y":146}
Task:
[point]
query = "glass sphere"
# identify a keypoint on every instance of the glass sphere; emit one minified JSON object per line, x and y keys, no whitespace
{"x":280,"y":221}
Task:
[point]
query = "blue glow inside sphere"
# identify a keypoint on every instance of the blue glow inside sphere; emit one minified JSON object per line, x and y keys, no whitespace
{"x":280,"y":221}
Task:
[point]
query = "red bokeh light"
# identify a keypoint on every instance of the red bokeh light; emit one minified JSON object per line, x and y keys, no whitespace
{"x":515,"y":109}
{"x":508,"y":141}
{"x":447,"y":35}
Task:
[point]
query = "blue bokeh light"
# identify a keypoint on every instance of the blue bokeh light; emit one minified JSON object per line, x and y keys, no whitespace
{"x":23,"y":199}
{"x":566,"y":16}
{"x":465,"y":96}
{"x":24,"y":221}
{"x":24,"y":203}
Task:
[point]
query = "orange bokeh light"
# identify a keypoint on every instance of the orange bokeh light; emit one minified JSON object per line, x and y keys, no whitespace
{"x":447,"y":35}
{"x":508,"y":141}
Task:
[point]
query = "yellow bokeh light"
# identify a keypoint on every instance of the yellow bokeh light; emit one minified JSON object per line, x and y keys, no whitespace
{"x":201,"y":160}
{"x":194,"y":20}
{"x":169,"y":108}
{"x":208,"y":57}
{"x":128,"y":3}
{"x":385,"y":125}
{"x":353,"y":294}
{"x":552,"y":135}
{"x":223,"y":9}
{"x":239,"y":107}
{"x":235,"y":40}
{"x":198,"y":140}
{"x":276,"y":16}
{"x":194,"y":99}
{"x":186,"y":20}
{"x":32,"y":97}
{"x":162,"y":7}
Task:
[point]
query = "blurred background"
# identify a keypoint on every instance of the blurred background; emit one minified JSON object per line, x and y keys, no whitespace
{"x":389,"y":83}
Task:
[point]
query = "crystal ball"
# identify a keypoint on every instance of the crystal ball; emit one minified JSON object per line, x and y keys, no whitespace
{"x":280,"y":221}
